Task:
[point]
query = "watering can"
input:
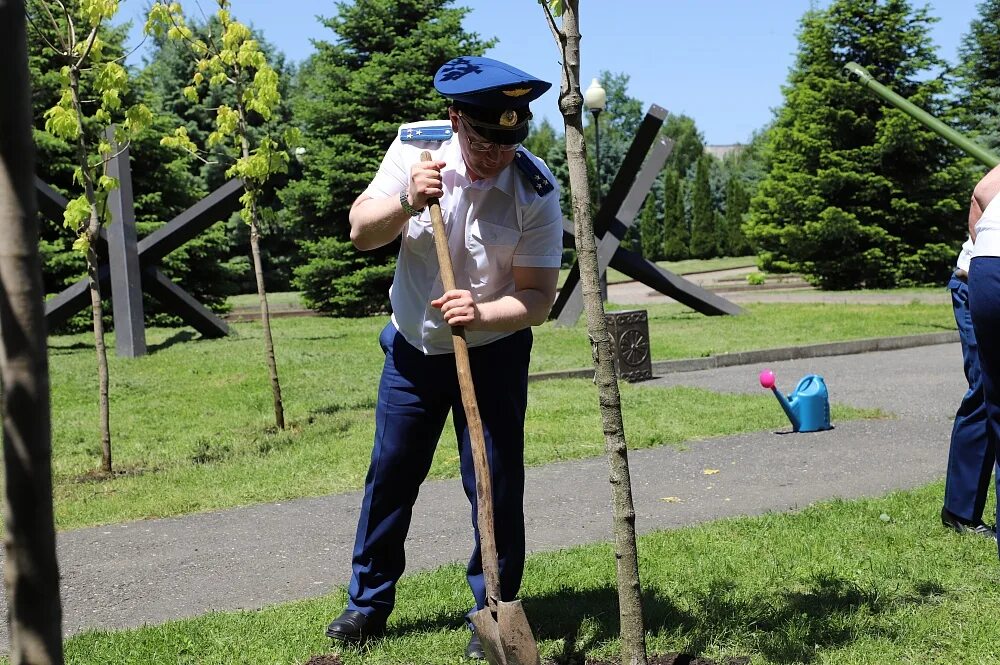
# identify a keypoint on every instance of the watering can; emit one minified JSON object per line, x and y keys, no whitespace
{"x":808,"y":406}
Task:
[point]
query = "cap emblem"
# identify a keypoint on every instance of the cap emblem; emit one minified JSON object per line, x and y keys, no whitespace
{"x":516,"y":92}
{"x":508,"y":118}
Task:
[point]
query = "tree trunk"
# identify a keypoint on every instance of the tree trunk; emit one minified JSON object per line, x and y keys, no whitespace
{"x":633,"y":634}
{"x":265,"y":320}
{"x":93,"y":233}
{"x":31,"y":572}
{"x":258,"y":270}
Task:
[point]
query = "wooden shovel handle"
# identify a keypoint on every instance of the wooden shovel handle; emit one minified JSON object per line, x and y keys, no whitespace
{"x":484,"y":484}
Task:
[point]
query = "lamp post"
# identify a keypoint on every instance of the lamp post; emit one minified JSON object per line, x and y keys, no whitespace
{"x":595,"y":99}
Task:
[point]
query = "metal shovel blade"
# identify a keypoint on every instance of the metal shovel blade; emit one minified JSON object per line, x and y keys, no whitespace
{"x":506,"y":638}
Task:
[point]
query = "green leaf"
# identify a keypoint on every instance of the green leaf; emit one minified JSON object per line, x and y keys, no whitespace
{"x":62,"y":122}
{"x":106,"y":183}
{"x":81,"y":244}
{"x":137,"y":119}
{"x":77,"y":213}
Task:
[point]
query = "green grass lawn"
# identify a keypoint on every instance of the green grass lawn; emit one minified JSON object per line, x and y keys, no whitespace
{"x":834,"y":583}
{"x":192,"y":422}
{"x":863,"y":582}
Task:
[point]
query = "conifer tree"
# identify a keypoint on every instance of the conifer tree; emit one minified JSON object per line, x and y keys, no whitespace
{"x":733,"y":242}
{"x":704,"y":230}
{"x":676,"y":239}
{"x":859,"y":194}
{"x":979,"y":75}
{"x":353,"y":94}
{"x":651,"y":230}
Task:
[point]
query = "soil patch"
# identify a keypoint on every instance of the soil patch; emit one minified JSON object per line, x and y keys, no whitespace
{"x":99,"y":475}
{"x":656,"y":659}
{"x":680,"y":659}
{"x":324,"y":660}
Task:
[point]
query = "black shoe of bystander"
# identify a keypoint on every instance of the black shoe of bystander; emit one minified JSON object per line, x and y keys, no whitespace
{"x":959,"y":525}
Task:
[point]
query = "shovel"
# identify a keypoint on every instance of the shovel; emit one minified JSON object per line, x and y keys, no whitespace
{"x":502,"y":626}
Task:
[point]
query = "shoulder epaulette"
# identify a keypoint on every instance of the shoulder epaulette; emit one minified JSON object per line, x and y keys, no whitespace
{"x":534,"y":175}
{"x":425,"y":133}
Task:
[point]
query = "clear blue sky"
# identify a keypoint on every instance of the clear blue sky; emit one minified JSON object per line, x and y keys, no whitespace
{"x":722,"y":62}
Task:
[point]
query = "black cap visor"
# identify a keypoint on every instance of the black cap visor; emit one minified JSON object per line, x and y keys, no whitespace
{"x":486,"y":123}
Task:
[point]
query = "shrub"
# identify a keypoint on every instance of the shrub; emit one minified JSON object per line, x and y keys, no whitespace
{"x":337,"y":280}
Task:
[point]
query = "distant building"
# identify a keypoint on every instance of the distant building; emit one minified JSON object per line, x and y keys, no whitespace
{"x":720,"y":151}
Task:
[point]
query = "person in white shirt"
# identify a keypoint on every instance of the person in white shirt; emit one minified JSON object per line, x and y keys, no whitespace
{"x":504,"y":229}
{"x":984,"y":294}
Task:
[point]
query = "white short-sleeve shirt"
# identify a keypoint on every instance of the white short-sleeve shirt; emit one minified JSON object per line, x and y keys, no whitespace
{"x":965,"y":256}
{"x":492,"y":225}
{"x":988,"y":230}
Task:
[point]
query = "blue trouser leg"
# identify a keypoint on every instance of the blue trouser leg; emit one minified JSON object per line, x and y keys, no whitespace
{"x":409,"y":418}
{"x":415,"y":394}
{"x":971,"y":457}
{"x":502,"y":400}
{"x":984,"y":303}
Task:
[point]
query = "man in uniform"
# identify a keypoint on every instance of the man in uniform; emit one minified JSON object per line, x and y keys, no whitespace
{"x":504,"y":231}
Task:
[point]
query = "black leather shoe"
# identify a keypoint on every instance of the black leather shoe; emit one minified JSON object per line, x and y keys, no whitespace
{"x":353,"y":627}
{"x":959,"y":525}
{"x":475,"y":648}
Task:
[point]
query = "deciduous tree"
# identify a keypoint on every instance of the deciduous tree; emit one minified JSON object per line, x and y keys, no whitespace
{"x":31,"y":572}
{"x":234,"y":59}
{"x":78,"y":43}
{"x":567,"y":39}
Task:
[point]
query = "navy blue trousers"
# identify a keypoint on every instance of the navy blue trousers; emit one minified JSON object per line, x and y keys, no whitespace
{"x":972,"y":454}
{"x":984,"y":304}
{"x":415,"y":394}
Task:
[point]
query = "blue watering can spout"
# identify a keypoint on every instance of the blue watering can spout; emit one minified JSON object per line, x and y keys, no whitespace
{"x":808,"y":406}
{"x":790,"y":408}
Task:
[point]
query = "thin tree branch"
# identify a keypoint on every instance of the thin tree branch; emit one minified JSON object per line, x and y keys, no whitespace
{"x":55,"y":26}
{"x":137,"y":47}
{"x":41,"y":35}
{"x":91,"y":38}
{"x":72,"y":27}
{"x":560,"y":38}
{"x":556,"y":33}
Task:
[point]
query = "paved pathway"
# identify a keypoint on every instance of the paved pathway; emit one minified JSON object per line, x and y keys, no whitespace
{"x":637,"y":293}
{"x":152,"y":571}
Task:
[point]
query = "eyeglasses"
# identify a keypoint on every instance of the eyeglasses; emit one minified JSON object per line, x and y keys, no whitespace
{"x":486,"y":146}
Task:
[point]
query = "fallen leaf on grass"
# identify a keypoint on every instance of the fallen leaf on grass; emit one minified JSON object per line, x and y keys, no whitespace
{"x":710,"y":472}
{"x":671,"y":499}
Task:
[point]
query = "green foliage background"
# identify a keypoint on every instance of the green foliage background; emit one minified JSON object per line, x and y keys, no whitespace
{"x":353,"y":94}
{"x":858,"y":194}
{"x":838,"y":187}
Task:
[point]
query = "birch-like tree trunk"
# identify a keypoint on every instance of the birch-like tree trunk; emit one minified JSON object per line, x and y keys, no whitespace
{"x":93,"y":278}
{"x":31,"y":573}
{"x":633,"y":634}
{"x":258,"y":270}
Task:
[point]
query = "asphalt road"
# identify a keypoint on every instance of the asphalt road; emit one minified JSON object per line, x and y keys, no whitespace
{"x":153,"y":571}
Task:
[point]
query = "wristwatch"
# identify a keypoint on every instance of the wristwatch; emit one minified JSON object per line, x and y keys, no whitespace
{"x":404,"y":201}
